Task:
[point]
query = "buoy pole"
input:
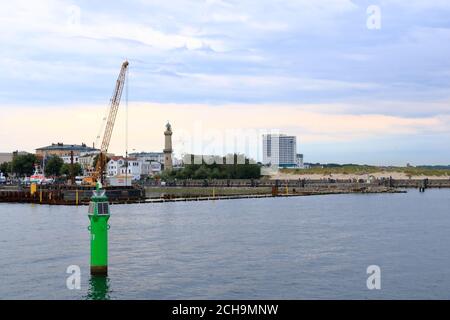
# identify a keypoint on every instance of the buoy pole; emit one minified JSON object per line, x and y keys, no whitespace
{"x":98,"y":216}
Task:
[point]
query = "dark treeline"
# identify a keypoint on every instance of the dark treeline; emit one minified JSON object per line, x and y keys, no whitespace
{"x":217,"y":170}
{"x":21,"y":165}
{"x":24,"y":165}
{"x":436,"y":167}
{"x":335,"y":165}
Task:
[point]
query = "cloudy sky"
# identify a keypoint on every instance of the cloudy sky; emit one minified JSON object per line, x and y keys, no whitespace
{"x":351,"y":93}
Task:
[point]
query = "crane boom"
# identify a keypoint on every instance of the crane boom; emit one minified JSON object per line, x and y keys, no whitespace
{"x":114,"y":107}
{"x":115,"y":101}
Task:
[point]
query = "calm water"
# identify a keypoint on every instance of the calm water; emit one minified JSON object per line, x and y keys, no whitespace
{"x":293,"y":248}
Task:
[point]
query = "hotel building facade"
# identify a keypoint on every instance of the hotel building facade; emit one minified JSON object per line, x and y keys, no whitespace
{"x":280,"y":150}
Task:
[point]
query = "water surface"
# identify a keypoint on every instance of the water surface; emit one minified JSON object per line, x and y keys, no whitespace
{"x":287,"y":248}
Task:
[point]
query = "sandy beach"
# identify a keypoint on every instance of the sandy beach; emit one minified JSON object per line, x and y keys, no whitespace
{"x":394,"y":175}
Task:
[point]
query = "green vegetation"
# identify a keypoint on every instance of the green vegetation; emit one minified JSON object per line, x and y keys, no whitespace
{"x":216,"y":171}
{"x":23,"y":165}
{"x":5,"y":168}
{"x":366,"y":169}
{"x":186,"y":192}
{"x":53,"y":166}
{"x":66,"y":170}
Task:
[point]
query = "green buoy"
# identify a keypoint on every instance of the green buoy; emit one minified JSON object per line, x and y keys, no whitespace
{"x":99,"y":216}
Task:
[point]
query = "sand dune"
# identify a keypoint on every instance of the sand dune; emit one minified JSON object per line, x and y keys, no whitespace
{"x":394,"y":175}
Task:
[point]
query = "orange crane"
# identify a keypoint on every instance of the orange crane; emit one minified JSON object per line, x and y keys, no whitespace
{"x":99,"y":172}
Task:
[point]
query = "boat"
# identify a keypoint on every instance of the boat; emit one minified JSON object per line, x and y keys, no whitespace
{"x":38,"y":177}
{"x":2,"y":178}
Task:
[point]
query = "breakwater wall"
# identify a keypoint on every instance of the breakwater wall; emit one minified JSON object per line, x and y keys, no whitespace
{"x":302,"y":183}
{"x":428,"y":183}
{"x":295,"y":193}
{"x":174,"y":192}
{"x":69,"y":195}
{"x":226,"y":189}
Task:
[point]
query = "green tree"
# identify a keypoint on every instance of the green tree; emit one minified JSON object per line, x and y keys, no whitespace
{"x":181,"y":174}
{"x":66,"y":170}
{"x":23,"y":165}
{"x":202,"y":173}
{"x":246,"y":169}
{"x":216,"y":174}
{"x":5,"y":168}
{"x":53,"y":166}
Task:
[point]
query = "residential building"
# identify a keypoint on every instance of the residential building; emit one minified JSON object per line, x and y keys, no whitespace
{"x":155,"y":167}
{"x":177,"y":163}
{"x":149,"y":156}
{"x":64,"y":150}
{"x":5,"y":157}
{"x":119,"y":166}
{"x":152,"y":162}
{"x":87,"y":159}
{"x":299,"y":160}
{"x":8,"y":156}
{"x":68,"y":158}
{"x":280,"y":150}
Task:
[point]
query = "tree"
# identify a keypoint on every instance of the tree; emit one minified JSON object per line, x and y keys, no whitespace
{"x":181,"y":174}
{"x":23,"y":165}
{"x":5,"y":168}
{"x":53,"y":166}
{"x":216,"y":174}
{"x":246,"y":169}
{"x":66,"y":170}
{"x":202,"y":173}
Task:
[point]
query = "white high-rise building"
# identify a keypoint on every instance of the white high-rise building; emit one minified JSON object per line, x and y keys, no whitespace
{"x":280,"y":150}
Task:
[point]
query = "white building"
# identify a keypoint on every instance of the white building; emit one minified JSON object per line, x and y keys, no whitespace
{"x":119,"y":166}
{"x":299,"y":161}
{"x":177,"y":163}
{"x":86,"y":161}
{"x":68,"y":159}
{"x":155,"y":167}
{"x":151,"y":162}
{"x":149,"y":156}
{"x":2,"y":178}
{"x":280,"y":150}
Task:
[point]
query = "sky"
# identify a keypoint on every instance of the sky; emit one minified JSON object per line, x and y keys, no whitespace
{"x":355,"y":81}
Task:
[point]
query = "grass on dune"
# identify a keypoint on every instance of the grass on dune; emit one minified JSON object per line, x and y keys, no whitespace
{"x":365,"y":169}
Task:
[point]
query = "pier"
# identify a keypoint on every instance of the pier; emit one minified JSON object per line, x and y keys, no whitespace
{"x":68,"y":195}
{"x":191,"y":191}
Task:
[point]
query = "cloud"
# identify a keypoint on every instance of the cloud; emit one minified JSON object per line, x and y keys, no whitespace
{"x":261,"y":51}
{"x":80,"y":123}
{"x":315,"y":60}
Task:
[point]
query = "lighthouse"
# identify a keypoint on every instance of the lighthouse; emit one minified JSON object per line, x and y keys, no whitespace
{"x":168,"y":148}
